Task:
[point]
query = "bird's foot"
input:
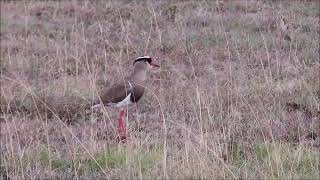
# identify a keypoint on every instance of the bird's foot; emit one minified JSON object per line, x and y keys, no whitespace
{"x":121,"y":138}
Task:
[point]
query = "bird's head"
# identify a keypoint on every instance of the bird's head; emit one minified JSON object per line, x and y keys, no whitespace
{"x":145,"y":60}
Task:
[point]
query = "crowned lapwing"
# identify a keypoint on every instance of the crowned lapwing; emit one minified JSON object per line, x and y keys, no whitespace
{"x":129,"y":91}
{"x":285,"y":28}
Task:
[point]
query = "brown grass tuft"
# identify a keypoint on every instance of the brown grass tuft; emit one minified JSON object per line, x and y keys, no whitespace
{"x":232,"y":99}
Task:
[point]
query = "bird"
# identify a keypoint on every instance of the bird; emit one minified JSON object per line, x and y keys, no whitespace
{"x":285,"y":28}
{"x":127,"y":92}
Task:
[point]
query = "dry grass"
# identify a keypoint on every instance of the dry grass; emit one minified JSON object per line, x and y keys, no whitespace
{"x":232,"y":99}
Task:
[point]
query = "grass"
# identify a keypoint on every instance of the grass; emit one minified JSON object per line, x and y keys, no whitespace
{"x":232,"y":99}
{"x":283,"y":161}
{"x":139,"y":163}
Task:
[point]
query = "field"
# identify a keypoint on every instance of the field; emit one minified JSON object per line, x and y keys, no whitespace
{"x":237,"y":94}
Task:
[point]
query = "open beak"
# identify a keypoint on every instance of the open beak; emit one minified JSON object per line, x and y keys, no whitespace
{"x":154,"y":65}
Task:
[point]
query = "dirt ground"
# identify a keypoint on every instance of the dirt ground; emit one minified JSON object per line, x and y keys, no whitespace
{"x":237,"y":94}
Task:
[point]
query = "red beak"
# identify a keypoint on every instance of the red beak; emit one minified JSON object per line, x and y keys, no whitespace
{"x":155,"y":65}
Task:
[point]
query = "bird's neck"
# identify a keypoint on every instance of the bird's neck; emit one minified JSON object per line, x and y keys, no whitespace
{"x":139,"y":76}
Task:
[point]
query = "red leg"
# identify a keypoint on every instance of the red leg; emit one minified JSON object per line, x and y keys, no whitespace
{"x":121,"y":128}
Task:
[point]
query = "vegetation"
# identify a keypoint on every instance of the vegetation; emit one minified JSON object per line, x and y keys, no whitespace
{"x":237,"y":94}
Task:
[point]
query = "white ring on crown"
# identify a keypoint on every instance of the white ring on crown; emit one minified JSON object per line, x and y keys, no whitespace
{"x":143,"y":57}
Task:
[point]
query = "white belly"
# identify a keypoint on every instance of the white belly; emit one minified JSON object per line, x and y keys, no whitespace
{"x":122,"y":103}
{"x":125,"y":102}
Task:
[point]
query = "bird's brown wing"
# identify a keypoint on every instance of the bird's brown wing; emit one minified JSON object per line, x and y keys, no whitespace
{"x":137,"y":92}
{"x":114,"y":94}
